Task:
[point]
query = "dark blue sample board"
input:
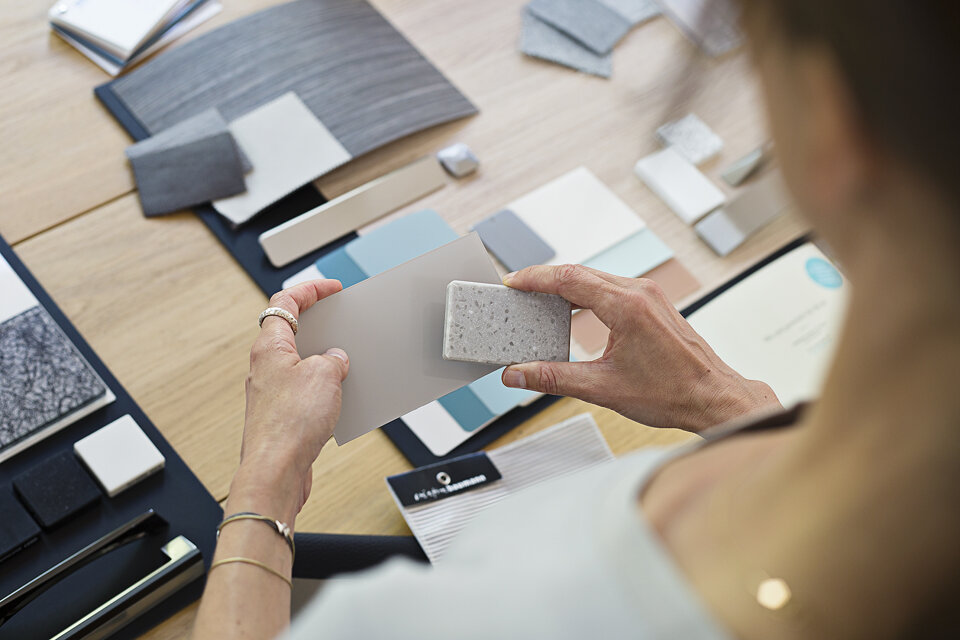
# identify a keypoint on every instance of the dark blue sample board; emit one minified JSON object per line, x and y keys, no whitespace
{"x":174,"y":493}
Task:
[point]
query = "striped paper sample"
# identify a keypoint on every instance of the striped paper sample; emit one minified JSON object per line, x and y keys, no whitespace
{"x":355,"y":72}
{"x":570,"y":446}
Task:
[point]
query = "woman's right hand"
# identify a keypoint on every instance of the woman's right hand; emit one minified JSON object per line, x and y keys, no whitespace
{"x":655,"y":369}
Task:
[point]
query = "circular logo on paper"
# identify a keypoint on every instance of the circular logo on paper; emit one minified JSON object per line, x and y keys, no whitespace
{"x":824,"y":273}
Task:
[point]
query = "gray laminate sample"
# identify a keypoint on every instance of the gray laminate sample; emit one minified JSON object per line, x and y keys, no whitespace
{"x":539,"y":40}
{"x":494,"y":324}
{"x":351,"y":67}
{"x":595,"y":25}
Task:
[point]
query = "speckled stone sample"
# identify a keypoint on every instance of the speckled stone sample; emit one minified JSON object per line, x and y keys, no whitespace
{"x":692,"y":138}
{"x":494,"y":324}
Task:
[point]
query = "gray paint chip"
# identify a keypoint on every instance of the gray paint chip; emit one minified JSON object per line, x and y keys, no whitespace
{"x":542,"y":41}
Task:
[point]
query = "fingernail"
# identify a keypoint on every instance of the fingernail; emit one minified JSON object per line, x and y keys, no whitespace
{"x":514,"y":378}
{"x":507,"y":278}
{"x":336,"y":353}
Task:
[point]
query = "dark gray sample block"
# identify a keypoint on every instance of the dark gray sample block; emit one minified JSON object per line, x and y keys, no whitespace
{"x":539,"y":40}
{"x":177,"y":175}
{"x":595,"y":25}
{"x":17,"y":528}
{"x":514,"y":243}
{"x":56,"y":489}
{"x":353,"y":70}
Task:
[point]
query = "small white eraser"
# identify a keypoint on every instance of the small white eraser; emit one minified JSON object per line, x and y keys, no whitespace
{"x":494,"y":324}
{"x":692,"y":138}
{"x":458,"y":160}
{"x":679,"y":184}
{"x":119,"y":455}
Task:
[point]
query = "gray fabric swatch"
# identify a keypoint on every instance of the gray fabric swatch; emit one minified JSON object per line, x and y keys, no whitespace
{"x":514,"y":244}
{"x":595,"y":25}
{"x":193,"y":162}
{"x":352,"y":69}
{"x":540,"y":40}
{"x":635,"y":11}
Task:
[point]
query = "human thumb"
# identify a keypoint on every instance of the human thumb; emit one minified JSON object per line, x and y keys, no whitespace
{"x":340,"y":359}
{"x":553,"y":378}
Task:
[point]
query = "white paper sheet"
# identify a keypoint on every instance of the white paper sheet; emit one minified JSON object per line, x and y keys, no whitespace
{"x":287,"y":146}
{"x":577,"y":215}
{"x":781,"y":324}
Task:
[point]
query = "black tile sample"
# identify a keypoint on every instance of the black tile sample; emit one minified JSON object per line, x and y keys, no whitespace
{"x":42,"y":376}
{"x":17,"y":528}
{"x":56,"y":489}
{"x":361,"y":78}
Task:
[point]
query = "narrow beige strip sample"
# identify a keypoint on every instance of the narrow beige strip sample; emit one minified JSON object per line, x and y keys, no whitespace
{"x":311,"y":230}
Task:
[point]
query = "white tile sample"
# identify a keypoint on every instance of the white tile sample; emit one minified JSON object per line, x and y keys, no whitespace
{"x":391,"y":325}
{"x":494,"y":324}
{"x":679,"y":184}
{"x":119,"y":455}
{"x":577,"y":215}
{"x":458,"y":159}
{"x":287,"y":146}
{"x":692,"y":138}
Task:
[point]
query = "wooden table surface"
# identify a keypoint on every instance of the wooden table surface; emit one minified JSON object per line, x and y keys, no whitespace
{"x":172,"y":314}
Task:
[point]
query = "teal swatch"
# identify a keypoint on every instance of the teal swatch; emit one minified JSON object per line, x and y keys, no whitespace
{"x":337,"y":265}
{"x":399,"y":241}
{"x":466,"y":408}
{"x":824,"y":273}
{"x":633,"y":256}
{"x":497,"y":398}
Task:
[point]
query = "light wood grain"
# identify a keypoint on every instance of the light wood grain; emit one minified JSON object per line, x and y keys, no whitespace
{"x":173,"y":315}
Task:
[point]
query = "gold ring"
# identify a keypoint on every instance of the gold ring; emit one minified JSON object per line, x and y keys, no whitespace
{"x":280,"y":313}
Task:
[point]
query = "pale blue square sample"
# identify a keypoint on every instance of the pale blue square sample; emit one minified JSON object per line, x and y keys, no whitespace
{"x":399,"y":241}
{"x":498,"y":398}
{"x":466,"y":408}
{"x":337,"y":265}
{"x":634,"y":256}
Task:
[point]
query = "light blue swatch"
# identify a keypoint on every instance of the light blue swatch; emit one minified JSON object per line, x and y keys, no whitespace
{"x":337,"y":265}
{"x":399,"y":241}
{"x":466,"y":408}
{"x":496,"y":397}
{"x":633,"y":256}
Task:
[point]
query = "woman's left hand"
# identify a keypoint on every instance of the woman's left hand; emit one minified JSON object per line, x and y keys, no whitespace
{"x":292,"y":408}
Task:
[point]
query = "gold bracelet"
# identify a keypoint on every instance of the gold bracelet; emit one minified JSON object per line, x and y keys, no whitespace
{"x":281,"y":528}
{"x":255,"y":563}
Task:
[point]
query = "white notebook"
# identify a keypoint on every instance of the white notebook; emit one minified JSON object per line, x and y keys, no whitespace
{"x":120,"y":27}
